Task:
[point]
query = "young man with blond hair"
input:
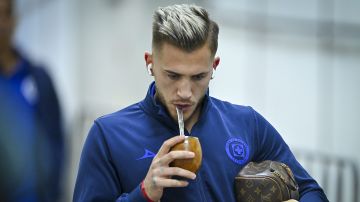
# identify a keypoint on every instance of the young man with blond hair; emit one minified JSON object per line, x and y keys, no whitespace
{"x":127,"y":154}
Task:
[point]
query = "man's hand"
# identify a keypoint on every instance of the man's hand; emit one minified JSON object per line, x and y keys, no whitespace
{"x":159,"y":174}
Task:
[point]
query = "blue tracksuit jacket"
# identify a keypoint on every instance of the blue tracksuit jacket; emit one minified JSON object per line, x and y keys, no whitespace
{"x":120,"y":147}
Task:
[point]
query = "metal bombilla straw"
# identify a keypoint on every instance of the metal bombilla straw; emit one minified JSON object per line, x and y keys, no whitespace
{"x":180,"y":116}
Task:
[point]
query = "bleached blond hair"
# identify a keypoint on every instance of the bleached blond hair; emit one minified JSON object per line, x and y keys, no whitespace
{"x":185,"y":26}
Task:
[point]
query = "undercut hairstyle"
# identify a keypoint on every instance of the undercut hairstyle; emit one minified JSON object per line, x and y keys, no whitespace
{"x":187,"y":27}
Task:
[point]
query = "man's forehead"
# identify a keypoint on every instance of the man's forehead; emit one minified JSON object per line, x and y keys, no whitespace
{"x":184,"y":70}
{"x":159,"y":48}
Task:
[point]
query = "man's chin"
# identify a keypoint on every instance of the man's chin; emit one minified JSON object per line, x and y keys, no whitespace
{"x":186,"y":114}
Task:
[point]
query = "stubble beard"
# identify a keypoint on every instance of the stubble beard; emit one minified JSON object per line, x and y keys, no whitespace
{"x":161,"y":98}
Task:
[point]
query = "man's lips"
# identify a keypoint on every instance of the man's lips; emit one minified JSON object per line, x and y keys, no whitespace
{"x":182,"y":106}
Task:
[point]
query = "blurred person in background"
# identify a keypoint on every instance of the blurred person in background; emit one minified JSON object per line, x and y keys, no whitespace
{"x":31,"y":134}
{"x":127,"y":154}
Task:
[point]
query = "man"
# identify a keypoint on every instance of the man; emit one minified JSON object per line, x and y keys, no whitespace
{"x":126,"y":155}
{"x":31,"y":138}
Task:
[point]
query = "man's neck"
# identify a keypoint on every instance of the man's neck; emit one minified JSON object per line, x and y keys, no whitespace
{"x":8,"y":60}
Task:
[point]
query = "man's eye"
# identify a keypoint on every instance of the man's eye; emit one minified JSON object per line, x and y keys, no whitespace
{"x":173,"y":76}
{"x":198,"y":77}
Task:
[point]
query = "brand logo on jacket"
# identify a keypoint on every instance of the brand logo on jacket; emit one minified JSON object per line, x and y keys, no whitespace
{"x":147,"y":154}
{"x":237,"y":150}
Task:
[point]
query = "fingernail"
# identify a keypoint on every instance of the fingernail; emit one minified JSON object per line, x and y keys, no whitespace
{"x":193,"y":177}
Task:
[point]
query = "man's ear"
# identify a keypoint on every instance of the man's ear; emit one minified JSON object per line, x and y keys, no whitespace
{"x":148,"y":58}
{"x":148,"y":63}
{"x":216,"y":62}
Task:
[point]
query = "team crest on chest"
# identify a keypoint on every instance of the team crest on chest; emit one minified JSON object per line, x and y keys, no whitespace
{"x":237,"y":150}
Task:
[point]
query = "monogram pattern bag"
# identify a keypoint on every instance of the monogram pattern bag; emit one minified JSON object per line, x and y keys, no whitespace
{"x":265,"y":181}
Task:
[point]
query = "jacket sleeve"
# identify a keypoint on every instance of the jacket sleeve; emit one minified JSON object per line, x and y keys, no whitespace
{"x":97,"y":179}
{"x":48,"y":112}
{"x":271,"y":146}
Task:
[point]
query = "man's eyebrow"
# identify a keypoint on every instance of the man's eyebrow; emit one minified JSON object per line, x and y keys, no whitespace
{"x":172,"y":72}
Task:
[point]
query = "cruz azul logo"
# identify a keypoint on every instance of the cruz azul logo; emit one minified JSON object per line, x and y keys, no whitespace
{"x":237,"y":150}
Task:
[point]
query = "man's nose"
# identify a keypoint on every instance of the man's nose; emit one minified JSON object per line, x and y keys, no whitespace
{"x":184,"y":90}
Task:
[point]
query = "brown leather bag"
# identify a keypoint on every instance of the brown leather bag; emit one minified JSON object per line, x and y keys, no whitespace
{"x":266,"y":181}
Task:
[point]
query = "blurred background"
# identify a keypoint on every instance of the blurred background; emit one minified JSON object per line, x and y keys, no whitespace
{"x":295,"y":62}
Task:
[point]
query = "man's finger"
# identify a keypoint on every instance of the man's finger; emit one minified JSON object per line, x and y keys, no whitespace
{"x":169,"y":157}
{"x":163,"y":182}
{"x":174,"y":171}
{"x":166,"y":146}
